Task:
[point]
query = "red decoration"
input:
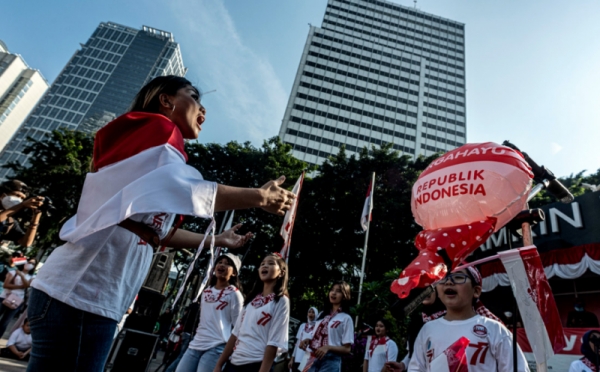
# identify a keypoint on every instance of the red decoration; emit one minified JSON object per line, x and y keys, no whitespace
{"x":460,"y":200}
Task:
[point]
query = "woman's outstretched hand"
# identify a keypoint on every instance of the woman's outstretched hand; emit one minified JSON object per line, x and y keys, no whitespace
{"x":276,"y":199}
{"x":230,"y":239}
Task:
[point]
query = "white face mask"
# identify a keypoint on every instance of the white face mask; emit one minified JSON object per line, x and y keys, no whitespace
{"x":28,"y":267}
{"x":10,"y":201}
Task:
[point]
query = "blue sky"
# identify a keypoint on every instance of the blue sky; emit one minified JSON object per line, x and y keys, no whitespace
{"x":532,"y":66}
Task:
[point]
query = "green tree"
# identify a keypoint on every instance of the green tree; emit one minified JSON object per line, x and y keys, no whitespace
{"x":57,"y":167}
{"x":574,"y":183}
{"x":328,"y":239}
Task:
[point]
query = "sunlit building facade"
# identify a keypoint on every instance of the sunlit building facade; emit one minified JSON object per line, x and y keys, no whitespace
{"x":378,"y":73}
{"x":99,"y":83}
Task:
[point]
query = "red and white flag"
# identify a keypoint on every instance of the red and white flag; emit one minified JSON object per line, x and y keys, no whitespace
{"x":141,"y":168}
{"x":453,"y":359}
{"x":289,"y":219}
{"x":368,"y":207}
{"x":536,"y":303}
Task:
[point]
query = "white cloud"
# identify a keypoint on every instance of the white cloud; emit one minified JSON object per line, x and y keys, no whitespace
{"x":250,"y":98}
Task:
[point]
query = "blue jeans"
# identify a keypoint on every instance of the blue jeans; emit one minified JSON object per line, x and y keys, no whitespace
{"x":330,"y":363}
{"x":6,"y":315}
{"x":65,"y":338}
{"x":200,"y":360}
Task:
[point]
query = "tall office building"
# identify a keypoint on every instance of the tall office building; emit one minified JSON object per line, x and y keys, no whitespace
{"x":374,"y":73}
{"x":99,"y":83}
{"x":20,"y":90}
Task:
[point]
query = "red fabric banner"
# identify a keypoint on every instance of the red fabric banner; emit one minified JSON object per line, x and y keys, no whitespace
{"x":572,"y":340}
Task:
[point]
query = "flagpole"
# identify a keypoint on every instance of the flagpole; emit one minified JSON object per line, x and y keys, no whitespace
{"x":364,"y":259}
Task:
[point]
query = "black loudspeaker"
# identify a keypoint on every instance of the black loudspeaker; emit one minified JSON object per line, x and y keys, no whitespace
{"x":131,"y":351}
{"x":158,"y":276}
{"x":146,"y":311}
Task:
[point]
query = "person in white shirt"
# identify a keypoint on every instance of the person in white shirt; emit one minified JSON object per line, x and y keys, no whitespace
{"x":16,"y":282}
{"x":334,"y":333}
{"x":19,"y":343}
{"x":86,"y":285}
{"x":381,"y":350}
{"x":304,"y":331}
{"x":261,"y":332}
{"x":221,"y":306}
{"x":589,"y":349}
{"x":490,"y":343}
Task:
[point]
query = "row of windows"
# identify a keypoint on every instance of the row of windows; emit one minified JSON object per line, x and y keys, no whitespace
{"x":434,"y":96}
{"x":308,"y":150}
{"x":356,"y":123}
{"x":411,"y":13}
{"x":389,"y":55}
{"x":350,"y":133}
{"x":108,"y":46}
{"x":355,"y":109}
{"x":364,"y":68}
{"x":76,"y":93}
{"x":445,"y":90}
{"x":319,"y":35}
{"x":96,"y":64}
{"x":69,"y":104}
{"x":362,"y":89}
{"x":441,"y":139}
{"x":445,"y":81}
{"x":365,"y":58}
{"x":388,"y":30}
{"x":90,"y":74}
{"x":62,"y":114}
{"x":82,"y":83}
{"x":395,"y":40}
{"x":354,"y":76}
{"x":100,"y":54}
{"x":445,"y":109}
{"x":359,"y":99}
{"x":338,"y":144}
{"x":16,"y":98}
{"x":114,"y":35}
{"x":432,"y":148}
{"x":441,"y":118}
{"x":398,"y":25}
{"x":442,"y":129}
{"x":439,"y":70}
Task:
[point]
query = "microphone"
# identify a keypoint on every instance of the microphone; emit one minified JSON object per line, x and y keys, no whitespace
{"x":541,"y":174}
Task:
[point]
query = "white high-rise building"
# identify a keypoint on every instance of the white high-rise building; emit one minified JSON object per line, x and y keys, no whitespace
{"x":98,"y":83}
{"x":377,"y":72}
{"x":20,"y":90}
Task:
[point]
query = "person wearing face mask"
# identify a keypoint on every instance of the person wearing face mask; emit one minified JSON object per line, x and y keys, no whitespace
{"x":16,"y":283}
{"x":580,"y":318}
{"x":304,"y":331}
{"x":13,"y":197}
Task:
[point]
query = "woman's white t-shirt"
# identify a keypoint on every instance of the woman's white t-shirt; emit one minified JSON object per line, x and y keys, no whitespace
{"x":304,"y":331}
{"x":382,"y":354}
{"x":490,"y":345}
{"x":219,"y":311}
{"x":18,"y":281}
{"x":340,"y":330}
{"x":264,"y":322}
{"x":103,"y":272}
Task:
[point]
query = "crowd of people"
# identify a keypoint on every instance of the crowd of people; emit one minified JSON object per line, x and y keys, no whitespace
{"x":79,"y":296}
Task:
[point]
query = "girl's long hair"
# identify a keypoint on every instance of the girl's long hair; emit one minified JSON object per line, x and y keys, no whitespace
{"x":148,"y":98}
{"x":280,"y":286}
{"x":346,"y":297}
{"x":234,"y":280}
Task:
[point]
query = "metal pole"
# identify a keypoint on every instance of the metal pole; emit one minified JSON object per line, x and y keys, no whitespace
{"x":364,"y":259}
